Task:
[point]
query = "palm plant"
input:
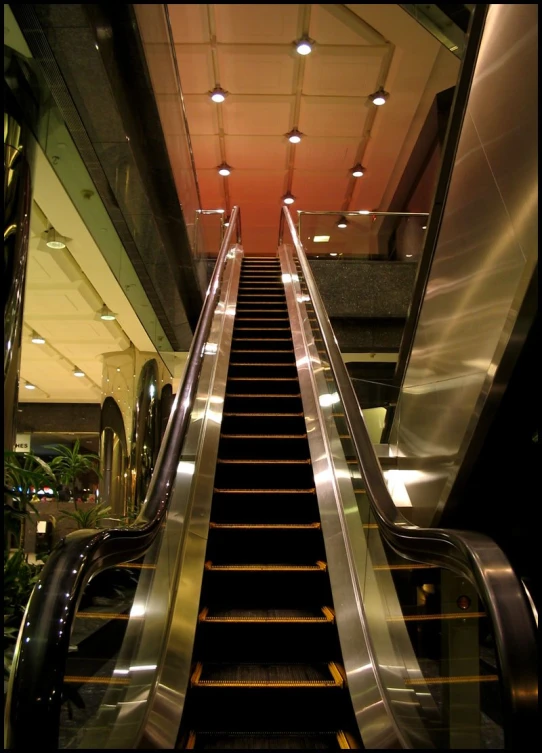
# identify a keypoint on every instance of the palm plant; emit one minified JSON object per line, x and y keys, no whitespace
{"x":70,"y":464}
{"x":87,"y":518}
{"x":24,"y":474}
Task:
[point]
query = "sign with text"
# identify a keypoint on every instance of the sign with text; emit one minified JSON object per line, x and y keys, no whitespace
{"x":22,"y":443}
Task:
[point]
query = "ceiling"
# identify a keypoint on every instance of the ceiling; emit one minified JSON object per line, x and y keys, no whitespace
{"x":249,"y":51}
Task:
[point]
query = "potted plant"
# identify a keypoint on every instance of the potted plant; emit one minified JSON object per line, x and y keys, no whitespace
{"x":70,"y":464}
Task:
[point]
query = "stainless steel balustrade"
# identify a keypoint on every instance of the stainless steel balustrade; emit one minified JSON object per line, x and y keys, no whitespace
{"x":36,"y":681}
{"x":473,"y":556}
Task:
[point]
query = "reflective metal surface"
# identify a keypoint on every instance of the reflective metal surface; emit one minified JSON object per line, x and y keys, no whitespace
{"x":473,"y":556}
{"x":145,"y":434}
{"x":36,"y":680}
{"x":483,"y":263}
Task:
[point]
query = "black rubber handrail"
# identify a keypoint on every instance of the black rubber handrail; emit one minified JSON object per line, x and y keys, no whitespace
{"x":475,"y":556}
{"x":35,"y":688}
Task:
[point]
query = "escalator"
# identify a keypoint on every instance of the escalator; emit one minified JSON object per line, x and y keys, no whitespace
{"x":274,"y":596}
{"x":267,"y":664}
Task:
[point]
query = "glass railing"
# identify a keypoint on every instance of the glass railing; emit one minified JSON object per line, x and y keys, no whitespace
{"x":446,"y":617}
{"x":363,"y":235}
{"x":442,"y":25}
{"x":208,"y":230}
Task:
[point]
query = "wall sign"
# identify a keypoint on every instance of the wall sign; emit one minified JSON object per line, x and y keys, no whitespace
{"x":22,"y":443}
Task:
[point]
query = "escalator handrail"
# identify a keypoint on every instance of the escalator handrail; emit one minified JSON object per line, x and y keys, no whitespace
{"x":475,"y":556}
{"x":36,"y":681}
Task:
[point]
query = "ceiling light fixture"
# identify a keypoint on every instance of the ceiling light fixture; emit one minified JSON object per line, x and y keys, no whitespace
{"x":288,"y":198}
{"x":424,"y":227}
{"x":294,"y":137}
{"x":106,"y":315}
{"x":218,"y":94}
{"x":364,"y":211}
{"x":304,"y":45}
{"x":29,"y":386}
{"x":333,"y":254}
{"x":379,"y":98}
{"x":342,"y":223}
{"x":321,"y":238}
{"x":54,"y":240}
{"x":78,"y":373}
{"x":226,"y":222}
{"x":224,"y":169}
{"x":357,"y":171}
{"x":37,"y":340}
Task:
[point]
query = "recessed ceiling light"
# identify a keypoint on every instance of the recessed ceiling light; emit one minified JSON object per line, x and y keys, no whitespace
{"x":37,"y":340}
{"x":408,"y":256}
{"x":357,"y":171}
{"x":321,"y":238}
{"x":364,"y":211}
{"x":106,"y":315}
{"x":379,"y":98}
{"x":288,"y":198}
{"x":333,"y":254}
{"x":218,"y":94}
{"x":294,"y":137}
{"x":54,"y":239}
{"x":424,"y":227}
{"x":78,"y":373}
{"x":342,"y":223}
{"x":224,"y":169}
{"x":304,"y":45}
{"x":29,"y":386}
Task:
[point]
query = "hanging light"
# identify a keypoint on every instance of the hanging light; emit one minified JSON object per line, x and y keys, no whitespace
{"x":288,"y":198}
{"x":342,"y":223}
{"x":379,"y":98}
{"x":36,"y":339}
{"x":54,"y":239}
{"x":218,"y":94}
{"x":29,"y":386}
{"x":226,"y":221}
{"x":304,"y":45}
{"x":357,"y":171}
{"x":294,"y":137}
{"x":224,"y":169}
{"x":78,"y":373}
{"x":106,"y":314}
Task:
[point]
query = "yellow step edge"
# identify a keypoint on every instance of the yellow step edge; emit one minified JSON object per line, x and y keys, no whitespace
{"x":237,"y":461}
{"x":102,"y":616}
{"x":137,"y":567}
{"x":444,"y":616}
{"x":264,"y":491}
{"x":264,"y":526}
{"x":319,"y":566}
{"x":459,"y":680}
{"x":263,"y":436}
{"x":337,"y":681}
{"x":97,"y":680}
{"x":328,"y":616}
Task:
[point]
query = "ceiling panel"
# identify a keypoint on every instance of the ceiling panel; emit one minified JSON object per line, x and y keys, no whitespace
{"x":326,"y":154}
{"x":189,"y":22}
{"x":195,"y":68}
{"x":343,"y":72}
{"x":211,"y":189}
{"x":201,"y":114}
{"x":206,"y":151}
{"x":263,"y":152}
{"x":252,"y":23}
{"x":256,"y":69}
{"x":256,"y":186}
{"x":332,"y":116}
{"x":258,"y":115}
{"x":261,"y":240}
{"x":316,"y":193}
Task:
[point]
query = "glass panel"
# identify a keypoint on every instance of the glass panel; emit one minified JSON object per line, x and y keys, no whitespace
{"x":440,"y":25}
{"x":378,"y":236}
{"x":121,"y":627}
{"x":430,"y":635}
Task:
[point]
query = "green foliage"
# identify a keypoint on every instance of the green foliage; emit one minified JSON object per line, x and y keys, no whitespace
{"x":70,"y":464}
{"x":20,"y":577}
{"x":24,"y":474}
{"x":88,"y":518}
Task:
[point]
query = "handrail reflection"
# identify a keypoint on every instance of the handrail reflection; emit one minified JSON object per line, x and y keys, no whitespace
{"x":475,"y":556}
{"x":36,"y":681}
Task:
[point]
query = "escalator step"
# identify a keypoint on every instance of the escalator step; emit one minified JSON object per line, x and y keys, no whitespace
{"x":317,"y":567}
{"x":267,"y":675}
{"x":325,"y":614}
{"x":269,"y":741}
